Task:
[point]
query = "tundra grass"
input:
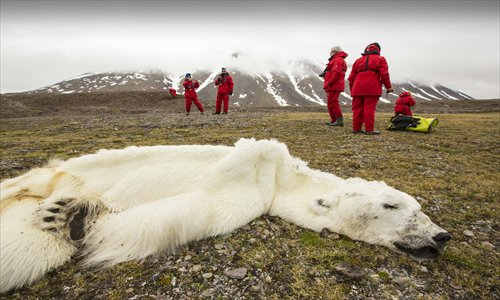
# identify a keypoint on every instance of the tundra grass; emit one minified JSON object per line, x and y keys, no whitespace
{"x":453,"y":172}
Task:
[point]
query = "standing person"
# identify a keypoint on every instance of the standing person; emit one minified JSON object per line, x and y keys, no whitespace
{"x":225,"y":83}
{"x":334,"y":84}
{"x":368,"y":74}
{"x":404,"y":103}
{"x":190,"y":94}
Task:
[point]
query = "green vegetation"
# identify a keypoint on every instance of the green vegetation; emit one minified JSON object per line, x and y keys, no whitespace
{"x":453,"y":172}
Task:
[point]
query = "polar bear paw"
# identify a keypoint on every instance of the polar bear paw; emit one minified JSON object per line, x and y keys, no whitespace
{"x":54,"y":217}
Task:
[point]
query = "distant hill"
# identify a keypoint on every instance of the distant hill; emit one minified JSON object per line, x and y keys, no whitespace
{"x":297,"y":85}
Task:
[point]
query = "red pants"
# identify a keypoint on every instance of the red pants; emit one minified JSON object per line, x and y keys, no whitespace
{"x":218,"y":103}
{"x":189,"y":99}
{"x":363,"y":111}
{"x":333,"y":105}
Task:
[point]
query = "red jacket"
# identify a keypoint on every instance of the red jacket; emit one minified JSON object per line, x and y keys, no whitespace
{"x":335,"y":73}
{"x":190,"y":86}
{"x":405,"y":100}
{"x":368,"y":74}
{"x":225,"y":84}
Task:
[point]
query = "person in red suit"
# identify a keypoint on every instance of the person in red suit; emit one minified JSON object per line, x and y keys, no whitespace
{"x":368,"y":74}
{"x":334,"y":84}
{"x":190,"y":95}
{"x":404,"y":103}
{"x":225,"y":84}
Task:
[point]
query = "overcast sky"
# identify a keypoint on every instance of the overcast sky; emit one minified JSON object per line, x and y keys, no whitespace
{"x":455,"y":43}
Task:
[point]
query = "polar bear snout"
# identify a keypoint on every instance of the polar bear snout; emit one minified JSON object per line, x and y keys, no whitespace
{"x":425,"y":250}
{"x":442,"y":238}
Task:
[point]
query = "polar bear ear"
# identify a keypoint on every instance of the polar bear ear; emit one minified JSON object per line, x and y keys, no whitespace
{"x":321,"y":206}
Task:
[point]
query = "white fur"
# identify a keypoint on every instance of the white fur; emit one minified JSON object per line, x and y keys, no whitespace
{"x":145,"y":200}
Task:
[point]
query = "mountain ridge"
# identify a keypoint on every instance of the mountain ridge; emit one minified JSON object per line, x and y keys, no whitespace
{"x":299,"y":84}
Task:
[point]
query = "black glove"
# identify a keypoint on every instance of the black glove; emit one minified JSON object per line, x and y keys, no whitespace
{"x":231,"y":93}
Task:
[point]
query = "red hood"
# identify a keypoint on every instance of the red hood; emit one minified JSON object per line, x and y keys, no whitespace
{"x":341,"y":54}
{"x":371,"y":49}
{"x":405,"y":94}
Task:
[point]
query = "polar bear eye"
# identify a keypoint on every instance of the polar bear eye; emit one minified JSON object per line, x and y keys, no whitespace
{"x":390,"y":206}
{"x":322,"y":203}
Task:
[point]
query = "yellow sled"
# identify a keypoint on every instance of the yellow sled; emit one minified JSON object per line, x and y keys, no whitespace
{"x":412,"y":123}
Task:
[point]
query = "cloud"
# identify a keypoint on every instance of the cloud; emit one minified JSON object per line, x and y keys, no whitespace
{"x":455,"y":43}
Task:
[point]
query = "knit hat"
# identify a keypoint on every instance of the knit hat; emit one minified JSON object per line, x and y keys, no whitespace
{"x":188,"y":75}
{"x":224,"y":70}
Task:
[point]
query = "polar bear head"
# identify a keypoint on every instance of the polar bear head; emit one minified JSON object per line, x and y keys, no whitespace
{"x":375,"y":213}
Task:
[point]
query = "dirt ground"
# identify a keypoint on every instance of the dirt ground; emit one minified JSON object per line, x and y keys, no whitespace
{"x":453,"y":172}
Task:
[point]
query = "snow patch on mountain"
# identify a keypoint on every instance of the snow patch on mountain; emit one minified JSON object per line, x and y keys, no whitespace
{"x":465,"y":96}
{"x":209,"y":80}
{"x":294,"y":82}
{"x":448,"y":96}
{"x":175,"y":80}
{"x":428,"y":94}
{"x":270,"y":89}
{"x":437,"y":91}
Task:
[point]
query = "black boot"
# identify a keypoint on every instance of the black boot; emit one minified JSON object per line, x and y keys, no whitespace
{"x":338,"y":122}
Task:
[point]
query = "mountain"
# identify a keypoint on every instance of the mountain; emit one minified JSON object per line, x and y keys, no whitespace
{"x":297,"y":84}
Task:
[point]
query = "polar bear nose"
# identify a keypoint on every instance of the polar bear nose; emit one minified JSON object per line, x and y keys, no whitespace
{"x":442,"y":237}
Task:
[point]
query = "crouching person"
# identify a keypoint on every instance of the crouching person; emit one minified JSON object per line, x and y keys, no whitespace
{"x":404,"y":103}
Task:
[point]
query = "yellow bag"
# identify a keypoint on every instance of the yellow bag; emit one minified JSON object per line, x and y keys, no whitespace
{"x":412,"y":123}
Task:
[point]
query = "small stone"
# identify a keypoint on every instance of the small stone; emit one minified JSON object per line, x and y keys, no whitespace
{"x":374,"y":277}
{"x":196,"y":268}
{"x":130,"y":290}
{"x":207,"y":275}
{"x":187,"y":257}
{"x":333,"y":236}
{"x":402,"y":281}
{"x":207,"y":293}
{"x":239,"y":273}
{"x":252,"y":241}
{"x":155,"y":277}
{"x":219,"y":246}
{"x":350,"y":270}
{"x":456,"y":286}
{"x":468,"y":233}
{"x":488,"y":246}
{"x":256,"y":288}
{"x":424,"y":269}
{"x":269,"y":279}
{"x":325,"y":233}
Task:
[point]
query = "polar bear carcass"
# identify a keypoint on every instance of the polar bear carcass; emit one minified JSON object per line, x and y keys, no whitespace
{"x":131,"y":203}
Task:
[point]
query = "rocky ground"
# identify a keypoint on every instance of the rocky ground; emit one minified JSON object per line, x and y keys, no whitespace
{"x":453,"y":172}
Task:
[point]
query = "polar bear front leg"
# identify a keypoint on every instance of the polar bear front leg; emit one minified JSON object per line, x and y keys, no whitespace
{"x":30,"y":244}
